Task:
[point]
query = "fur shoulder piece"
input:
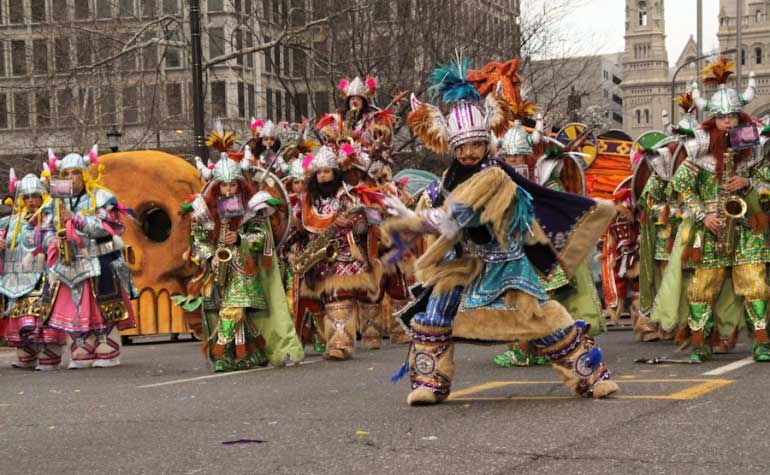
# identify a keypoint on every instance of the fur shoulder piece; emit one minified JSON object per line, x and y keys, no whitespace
{"x":494,"y":191}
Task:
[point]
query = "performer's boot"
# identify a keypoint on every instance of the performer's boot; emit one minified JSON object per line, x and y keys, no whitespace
{"x":48,"y":357}
{"x":82,"y":350}
{"x":319,"y":338}
{"x":756,"y":316}
{"x":518,"y":354}
{"x":398,"y":334}
{"x":700,"y":316}
{"x":340,"y":329}
{"x":107,"y":348}
{"x":578,"y":361}
{"x":26,"y":356}
{"x":371,"y":326}
{"x":431,"y":364}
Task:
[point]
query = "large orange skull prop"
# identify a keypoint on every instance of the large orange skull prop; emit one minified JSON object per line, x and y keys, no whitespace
{"x":154,"y":184}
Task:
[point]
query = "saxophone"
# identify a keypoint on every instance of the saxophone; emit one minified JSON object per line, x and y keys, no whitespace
{"x":323,"y":248}
{"x":65,"y":251}
{"x":223,"y":255}
{"x":729,"y":208}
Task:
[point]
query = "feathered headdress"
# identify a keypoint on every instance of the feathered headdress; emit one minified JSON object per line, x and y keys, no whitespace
{"x":718,"y":72}
{"x":466,"y":122}
{"x":725,"y":100}
{"x":221,"y":141}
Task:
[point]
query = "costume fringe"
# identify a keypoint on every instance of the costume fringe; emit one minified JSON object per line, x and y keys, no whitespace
{"x":493,"y":190}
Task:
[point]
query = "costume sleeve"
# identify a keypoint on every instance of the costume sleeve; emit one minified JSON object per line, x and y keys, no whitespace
{"x":253,"y":234}
{"x":760,"y":180}
{"x":685,"y":182}
{"x":654,"y":196}
{"x":104,"y":222}
{"x":200,"y":239}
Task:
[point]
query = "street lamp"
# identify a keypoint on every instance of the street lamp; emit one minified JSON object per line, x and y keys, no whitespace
{"x":673,"y":80}
{"x":113,"y":138}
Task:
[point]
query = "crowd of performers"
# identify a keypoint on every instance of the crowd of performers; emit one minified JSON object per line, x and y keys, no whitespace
{"x":692,"y":240}
{"x":301,"y":237}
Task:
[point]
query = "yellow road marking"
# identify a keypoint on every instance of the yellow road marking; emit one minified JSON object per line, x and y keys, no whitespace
{"x":698,"y":388}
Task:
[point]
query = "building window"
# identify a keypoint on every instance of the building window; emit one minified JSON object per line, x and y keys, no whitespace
{"x":37,"y":10}
{"x":21,"y":110}
{"x":268,"y":56}
{"x":216,"y":42}
{"x":288,"y":106}
{"x":250,"y":99}
{"x":43,"y":109}
{"x":173,"y":57}
{"x":638,"y":117}
{"x":758,"y":55}
{"x":646,"y":116}
{"x":150,"y":57}
{"x":320,"y":102}
{"x":617,"y":118}
{"x":743,"y":57}
{"x":174,"y":99}
{"x":108,"y":106}
{"x":148,"y":8}
{"x":16,"y":13}
{"x":170,"y":7}
{"x":83,"y":49}
{"x":39,"y":56}
{"x":3,"y":111}
{"x":248,"y":42}
{"x":131,"y":105}
{"x":128,"y":61}
{"x":241,"y":100}
{"x":218,"y":99}
{"x":299,"y":63}
{"x":81,"y":10}
{"x":239,"y":46}
{"x":18,"y":58}
{"x":277,"y":60}
{"x":64,"y":101}
{"x":301,"y":106}
{"x":103,"y":9}
{"x":269,"y":102}
{"x":216,"y":5}
{"x":278,"y":105}
{"x":126,"y":8}
{"x":616,"y":80}
{"x":617,"y":99}
{"x":60,"y":11}
{"x":2,"y":59}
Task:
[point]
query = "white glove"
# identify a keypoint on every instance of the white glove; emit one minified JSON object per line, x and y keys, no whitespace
{"x":395,"y":207}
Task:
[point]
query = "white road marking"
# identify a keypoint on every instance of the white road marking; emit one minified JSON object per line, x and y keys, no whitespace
{"x":218,"y":375}
{"x":729,"y":367}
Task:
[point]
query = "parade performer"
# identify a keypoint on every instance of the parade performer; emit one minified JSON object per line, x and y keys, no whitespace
{"x":721,"y":184}
{"x":85,"y":256}
{"x":266,"y":145}
{"x":658,"y":206}
{"x":237,"y":286}
{"x":494,"y":228}
{"x":23,"y":278}
{"x":578,"y":294}
{"x":334,"y":265}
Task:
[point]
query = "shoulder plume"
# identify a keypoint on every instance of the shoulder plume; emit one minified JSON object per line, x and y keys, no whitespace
{"x":428,"y":123}
{"x":686,"y":101}
{"x":719,"y":71}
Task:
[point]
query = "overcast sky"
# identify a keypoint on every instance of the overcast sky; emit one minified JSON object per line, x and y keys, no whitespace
{"x":600,"y":25}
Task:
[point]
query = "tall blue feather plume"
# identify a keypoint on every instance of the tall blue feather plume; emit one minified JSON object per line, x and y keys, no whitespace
{"x":449,"y":81}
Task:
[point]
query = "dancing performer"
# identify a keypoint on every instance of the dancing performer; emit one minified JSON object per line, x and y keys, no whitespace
{"x":494,"y":227}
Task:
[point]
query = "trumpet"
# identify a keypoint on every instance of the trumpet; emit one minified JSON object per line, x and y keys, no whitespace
{"x":223,"y":255}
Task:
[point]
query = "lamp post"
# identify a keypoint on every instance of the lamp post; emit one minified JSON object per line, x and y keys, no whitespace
{"x":694,"y":60}
{"x":113,"y":138}
{"x":197,"y":81}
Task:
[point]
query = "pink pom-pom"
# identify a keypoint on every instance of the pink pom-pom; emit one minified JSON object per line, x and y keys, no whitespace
{"x":52,"y":164}
{"x":637,"y":157}
{"x":307,"y":161}
{"x":12,"y":184}
{"x":371,"y":83}
{"x":256,"y":123}
{"x":343,"y":84}
{"x":347,"y":149}
{"x":93,"y":154}
{"x":211,"y":166}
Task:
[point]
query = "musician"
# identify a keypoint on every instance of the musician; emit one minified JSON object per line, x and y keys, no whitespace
{"x":23,"y":278}
{"x":478,"y":278}
{"x":245,"y":314}
{"x":334,"y":265}
{"x":265,"y":144}
{"x":85,"y":256}
{"x":720,"y":184}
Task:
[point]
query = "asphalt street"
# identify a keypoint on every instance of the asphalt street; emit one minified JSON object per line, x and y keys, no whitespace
{"x":164,"y":411}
